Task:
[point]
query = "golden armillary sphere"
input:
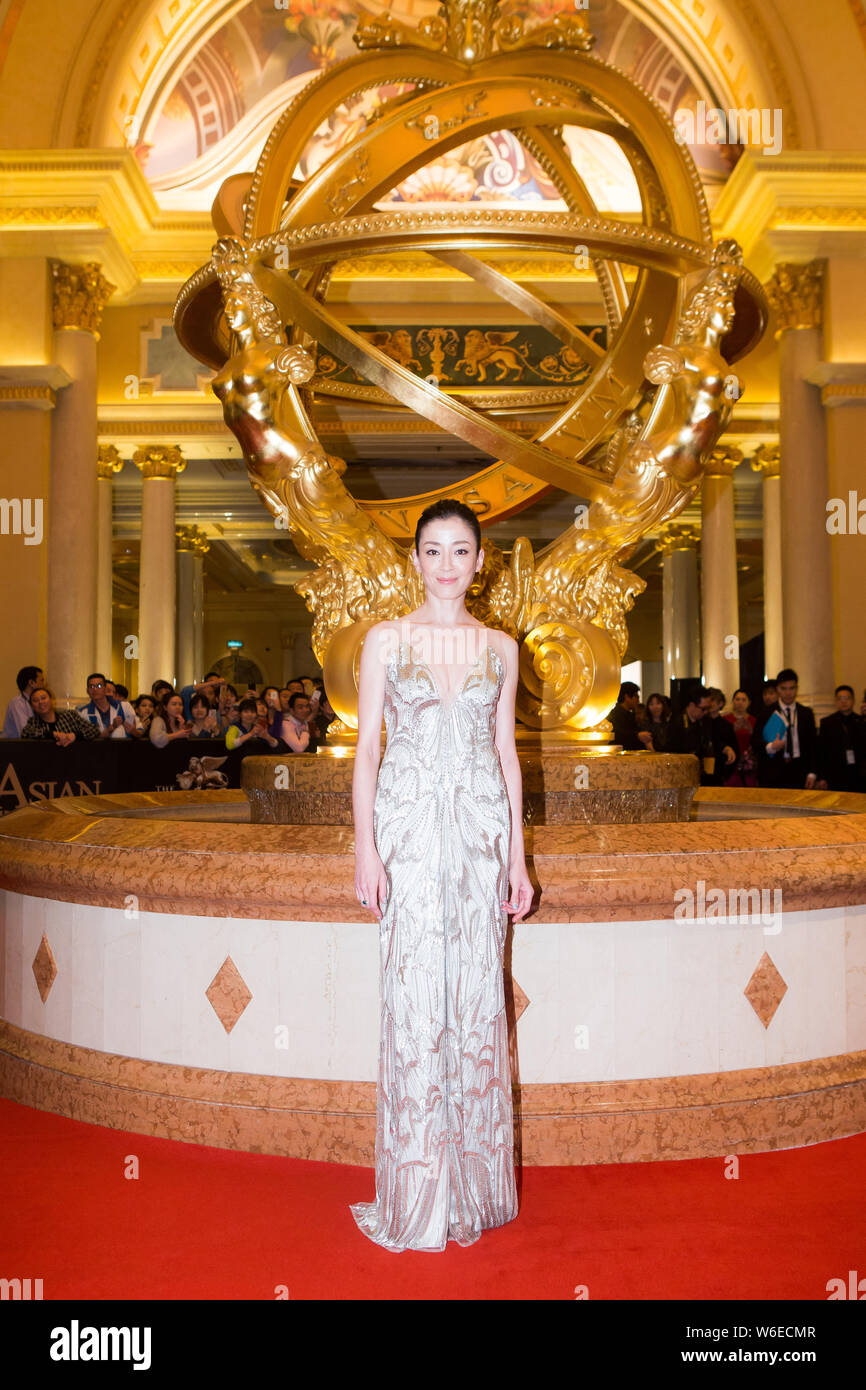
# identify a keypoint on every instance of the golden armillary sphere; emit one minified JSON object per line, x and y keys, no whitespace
{"x":629,"y":442}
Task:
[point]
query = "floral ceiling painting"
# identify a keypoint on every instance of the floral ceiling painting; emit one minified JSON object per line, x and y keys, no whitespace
{"x":217,"y":112}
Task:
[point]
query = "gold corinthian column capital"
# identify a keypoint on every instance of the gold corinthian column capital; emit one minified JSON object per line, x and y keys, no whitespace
{"x":79,"y":295}
{"x":766,"y":460}
{"x":191,"y":538}
{"x":108,"y":461}
{"x":722,"y":461}
{"x":159,"y":461}
{"x":677,"y":536}
{"x":795,"y":294}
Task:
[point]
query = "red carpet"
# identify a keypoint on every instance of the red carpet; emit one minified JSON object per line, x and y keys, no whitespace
{"x":212,"y":1224}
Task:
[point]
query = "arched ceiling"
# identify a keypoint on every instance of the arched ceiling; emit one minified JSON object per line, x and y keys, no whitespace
{"x":200,"y":79}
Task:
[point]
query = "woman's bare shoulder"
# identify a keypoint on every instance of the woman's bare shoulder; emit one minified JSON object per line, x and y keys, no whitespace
{"x":382,"y":638}
{"x":505,"y":646}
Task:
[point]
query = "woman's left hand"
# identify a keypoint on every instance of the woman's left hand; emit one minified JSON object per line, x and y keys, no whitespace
{"x":521,"y":892}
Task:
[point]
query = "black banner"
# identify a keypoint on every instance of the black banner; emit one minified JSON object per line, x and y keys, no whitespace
{"x":37,"y":770}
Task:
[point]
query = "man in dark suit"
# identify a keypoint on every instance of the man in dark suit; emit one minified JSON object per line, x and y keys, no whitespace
{"x":791,"y":760}
{"x":693,"y":730}
{"x":842,"y":746}
{"x":623,"y":717}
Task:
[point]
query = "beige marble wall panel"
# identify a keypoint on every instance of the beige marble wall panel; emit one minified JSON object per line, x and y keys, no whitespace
{"x":600,"y":1001}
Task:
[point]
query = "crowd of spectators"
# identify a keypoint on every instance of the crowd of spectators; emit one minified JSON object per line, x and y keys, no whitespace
{"x":293,"y":719}
{"x":770,"y":742}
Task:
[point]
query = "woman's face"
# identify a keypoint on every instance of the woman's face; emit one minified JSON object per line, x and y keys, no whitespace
{"x":145,"y":707}
{"x":40,"y":703}
{"x":447,"y":559}
{"x":174,"y":707}
{"x":655,"y":708}
{"x":262,"y":709}
{"x":199,"y":710}
{"x":271,"y":697}
{"x":248,"y":718}
{"x":740,"y":702}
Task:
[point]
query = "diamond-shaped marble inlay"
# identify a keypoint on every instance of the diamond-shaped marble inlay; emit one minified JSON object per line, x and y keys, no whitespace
{"x":44,"y":968}
{"x":521,"y":1000}
{"x":228,"y":994}
{"x":765,"y":990}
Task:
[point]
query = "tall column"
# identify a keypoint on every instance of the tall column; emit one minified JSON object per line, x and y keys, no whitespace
{"x":28,"y":397}
{"x":108,"y":463}
{"x":795,"y":293}
{"x":766,"y":462}
{"x":678,"y":544}
{"x":80,"y":294}
{"x":720,"y":610}
{"x":192,"y":546}
{"x":160,"y":465}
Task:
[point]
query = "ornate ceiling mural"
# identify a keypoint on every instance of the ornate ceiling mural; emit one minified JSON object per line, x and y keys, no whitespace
{"x":214,"y":115}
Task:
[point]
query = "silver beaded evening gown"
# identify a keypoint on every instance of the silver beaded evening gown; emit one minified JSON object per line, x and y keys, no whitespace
{"x":442,"y":826}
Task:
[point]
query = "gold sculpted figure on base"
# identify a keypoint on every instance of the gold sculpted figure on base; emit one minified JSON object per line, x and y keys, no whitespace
{"x":629,"y":442}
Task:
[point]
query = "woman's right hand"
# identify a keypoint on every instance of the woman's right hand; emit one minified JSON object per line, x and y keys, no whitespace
{"x":371,"y":882}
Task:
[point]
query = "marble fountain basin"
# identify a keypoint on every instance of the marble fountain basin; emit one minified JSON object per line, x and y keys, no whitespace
{"x":168,"y":966}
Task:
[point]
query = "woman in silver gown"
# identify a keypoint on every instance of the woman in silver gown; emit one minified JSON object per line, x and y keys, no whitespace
{"x":438,"y":840}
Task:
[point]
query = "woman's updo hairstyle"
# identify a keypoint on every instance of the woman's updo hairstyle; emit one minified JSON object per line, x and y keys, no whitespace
{"x":445,"y":507}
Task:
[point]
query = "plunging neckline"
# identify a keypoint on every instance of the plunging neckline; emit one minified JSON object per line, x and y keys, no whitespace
{"x":449,"y":705}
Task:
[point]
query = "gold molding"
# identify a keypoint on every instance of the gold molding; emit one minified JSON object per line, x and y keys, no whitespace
{"x":842,"y":393}
{"x":758,"y":33}
{"x":402,"y":427}
{"x":99,"y":68}
{"x":41,"y":397}
{"x":136,"y":428}
{"x":428,"y":268}
{"x":53,"y":215}
{"x":826,"y":217}
{"x":496,"y":398}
